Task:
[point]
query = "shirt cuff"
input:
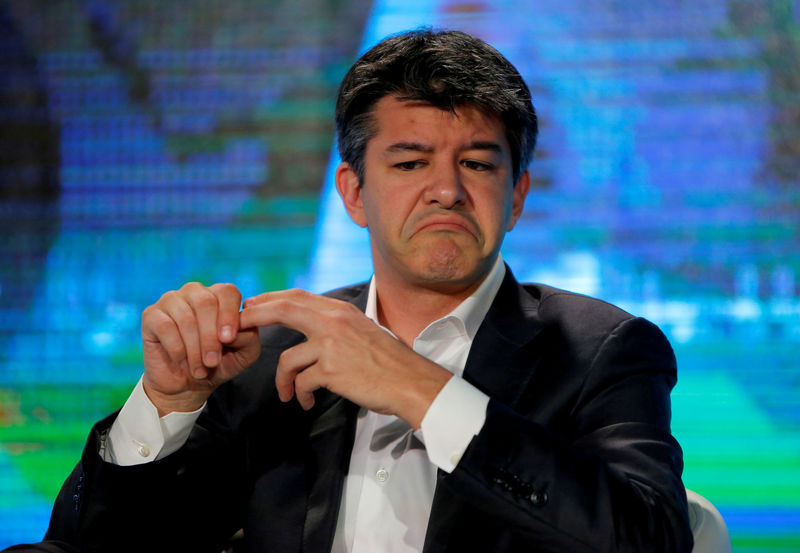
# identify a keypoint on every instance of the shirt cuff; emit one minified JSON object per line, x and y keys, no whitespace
{"x":453,"y":419}
{"x":139,"y":436}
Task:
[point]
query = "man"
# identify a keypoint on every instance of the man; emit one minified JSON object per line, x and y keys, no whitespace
{"x":440,"y":407}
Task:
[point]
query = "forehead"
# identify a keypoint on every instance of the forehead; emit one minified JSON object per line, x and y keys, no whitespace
{"x":395,"y":119}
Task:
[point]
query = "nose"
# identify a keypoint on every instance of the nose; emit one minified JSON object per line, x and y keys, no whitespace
{"x":446,"y":188}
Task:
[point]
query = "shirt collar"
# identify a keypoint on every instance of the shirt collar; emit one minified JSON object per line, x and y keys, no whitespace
{"x":469,"y":314}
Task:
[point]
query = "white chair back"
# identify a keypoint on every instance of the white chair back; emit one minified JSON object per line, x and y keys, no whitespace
{"x":708,"y":527}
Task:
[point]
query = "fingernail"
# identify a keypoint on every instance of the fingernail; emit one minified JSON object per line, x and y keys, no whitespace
{"x":200,"y":372}
{"x":212,"y":359}
{"x":227,"y":332}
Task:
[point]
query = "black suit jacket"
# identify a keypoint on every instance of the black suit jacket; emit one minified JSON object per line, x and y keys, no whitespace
{"x":575,"y":455}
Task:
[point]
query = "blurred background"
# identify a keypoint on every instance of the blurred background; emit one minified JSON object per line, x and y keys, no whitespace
{"x":146,"y":143}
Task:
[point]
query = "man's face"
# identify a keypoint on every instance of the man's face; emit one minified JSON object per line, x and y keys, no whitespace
{"x":437,"y":194}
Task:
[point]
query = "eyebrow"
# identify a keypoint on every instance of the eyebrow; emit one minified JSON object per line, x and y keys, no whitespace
{"x":409,"y":147}
{"x":484,"y":145}
{"x":425,"y":148}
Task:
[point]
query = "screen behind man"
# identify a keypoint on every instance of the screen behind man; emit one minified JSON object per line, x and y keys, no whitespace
{"x":440,"y":407}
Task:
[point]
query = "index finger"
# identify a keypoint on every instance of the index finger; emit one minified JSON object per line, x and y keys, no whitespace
{"x":294,"y":309}
{"x":229,"y":299}
{"x":294,"y":294}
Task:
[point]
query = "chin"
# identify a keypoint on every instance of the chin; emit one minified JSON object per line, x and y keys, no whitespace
{"x":447,"y":261}
{"x":444,"y":264}
{"x":450,"y":273}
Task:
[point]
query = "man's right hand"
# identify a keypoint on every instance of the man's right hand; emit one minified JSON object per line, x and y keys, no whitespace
{"x":192,"y":343}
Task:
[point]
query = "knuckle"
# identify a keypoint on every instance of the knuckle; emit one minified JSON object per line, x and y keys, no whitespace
{"x":184,"y":316}
{"x":282,"y":306}
{"x":167,"y":297}
{"x":193,"y":285}
{"x":325,"y":370}
{"x":161,"y":325}
{"x":339,"y":321}
{"x":328,"y":342}
{"x":285,"y":359}
{"x":149,"y":312}
{"x":225,"y":288}
{"x":155,"y":320}
{"x":176,"y":351}
{"x":204,"y":300}
{"x":340,"y":315}
{"x":296,"y":294}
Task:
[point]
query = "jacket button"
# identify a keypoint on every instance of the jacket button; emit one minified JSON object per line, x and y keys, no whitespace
{"x":538,"y":498}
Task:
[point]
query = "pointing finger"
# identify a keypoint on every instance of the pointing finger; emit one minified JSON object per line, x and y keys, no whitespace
{"x":315,"y":301}
{"x":283,"y":311}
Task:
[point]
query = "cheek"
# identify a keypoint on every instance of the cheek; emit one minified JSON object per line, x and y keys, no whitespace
{"x":385,"y":214}
{"x":396,"y":208}
{"x":496,"y":213}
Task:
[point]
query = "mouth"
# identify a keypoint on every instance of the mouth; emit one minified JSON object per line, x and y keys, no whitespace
{"x":447,"y":223}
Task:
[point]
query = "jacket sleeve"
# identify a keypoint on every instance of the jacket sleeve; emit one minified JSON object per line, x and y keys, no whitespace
{"x":188,"y":501}
{"x":602,"y":474}
{"x":197,"y":497}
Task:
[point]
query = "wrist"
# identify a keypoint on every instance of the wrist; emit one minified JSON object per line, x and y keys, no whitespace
{"x":421,"y":394}
{"x":166,"y":403}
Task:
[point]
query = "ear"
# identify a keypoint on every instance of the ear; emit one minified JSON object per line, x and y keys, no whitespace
{"x":349,"y":189}
{"x":519,"y":194}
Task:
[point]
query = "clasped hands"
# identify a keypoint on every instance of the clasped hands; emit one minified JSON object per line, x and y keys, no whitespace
{"x":196,"y":338}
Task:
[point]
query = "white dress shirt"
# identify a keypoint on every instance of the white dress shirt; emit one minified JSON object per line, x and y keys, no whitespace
{"x":387,"y":497}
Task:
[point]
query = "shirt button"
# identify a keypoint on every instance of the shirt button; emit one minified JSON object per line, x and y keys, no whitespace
{"x":455,"y":458}
{"x":538,"y":498}
{"x":382,"y":475}
{"x":142,"y":449}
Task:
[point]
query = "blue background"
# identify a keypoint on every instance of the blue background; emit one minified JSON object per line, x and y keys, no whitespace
{"x":147,"y":143}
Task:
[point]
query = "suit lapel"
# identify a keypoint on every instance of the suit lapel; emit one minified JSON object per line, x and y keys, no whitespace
{"x":501,"y":362}
{"x":331,"y":443}
{"x":330,"y":446}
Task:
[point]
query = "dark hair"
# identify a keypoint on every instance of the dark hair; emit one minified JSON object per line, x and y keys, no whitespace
{"x":447,"y":69}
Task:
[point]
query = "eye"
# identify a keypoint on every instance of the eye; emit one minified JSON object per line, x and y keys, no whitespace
{"x":476,"y":165}
{"x":410,"y":165}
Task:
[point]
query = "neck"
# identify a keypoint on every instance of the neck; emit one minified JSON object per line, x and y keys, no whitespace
{"x":406,"y":309}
